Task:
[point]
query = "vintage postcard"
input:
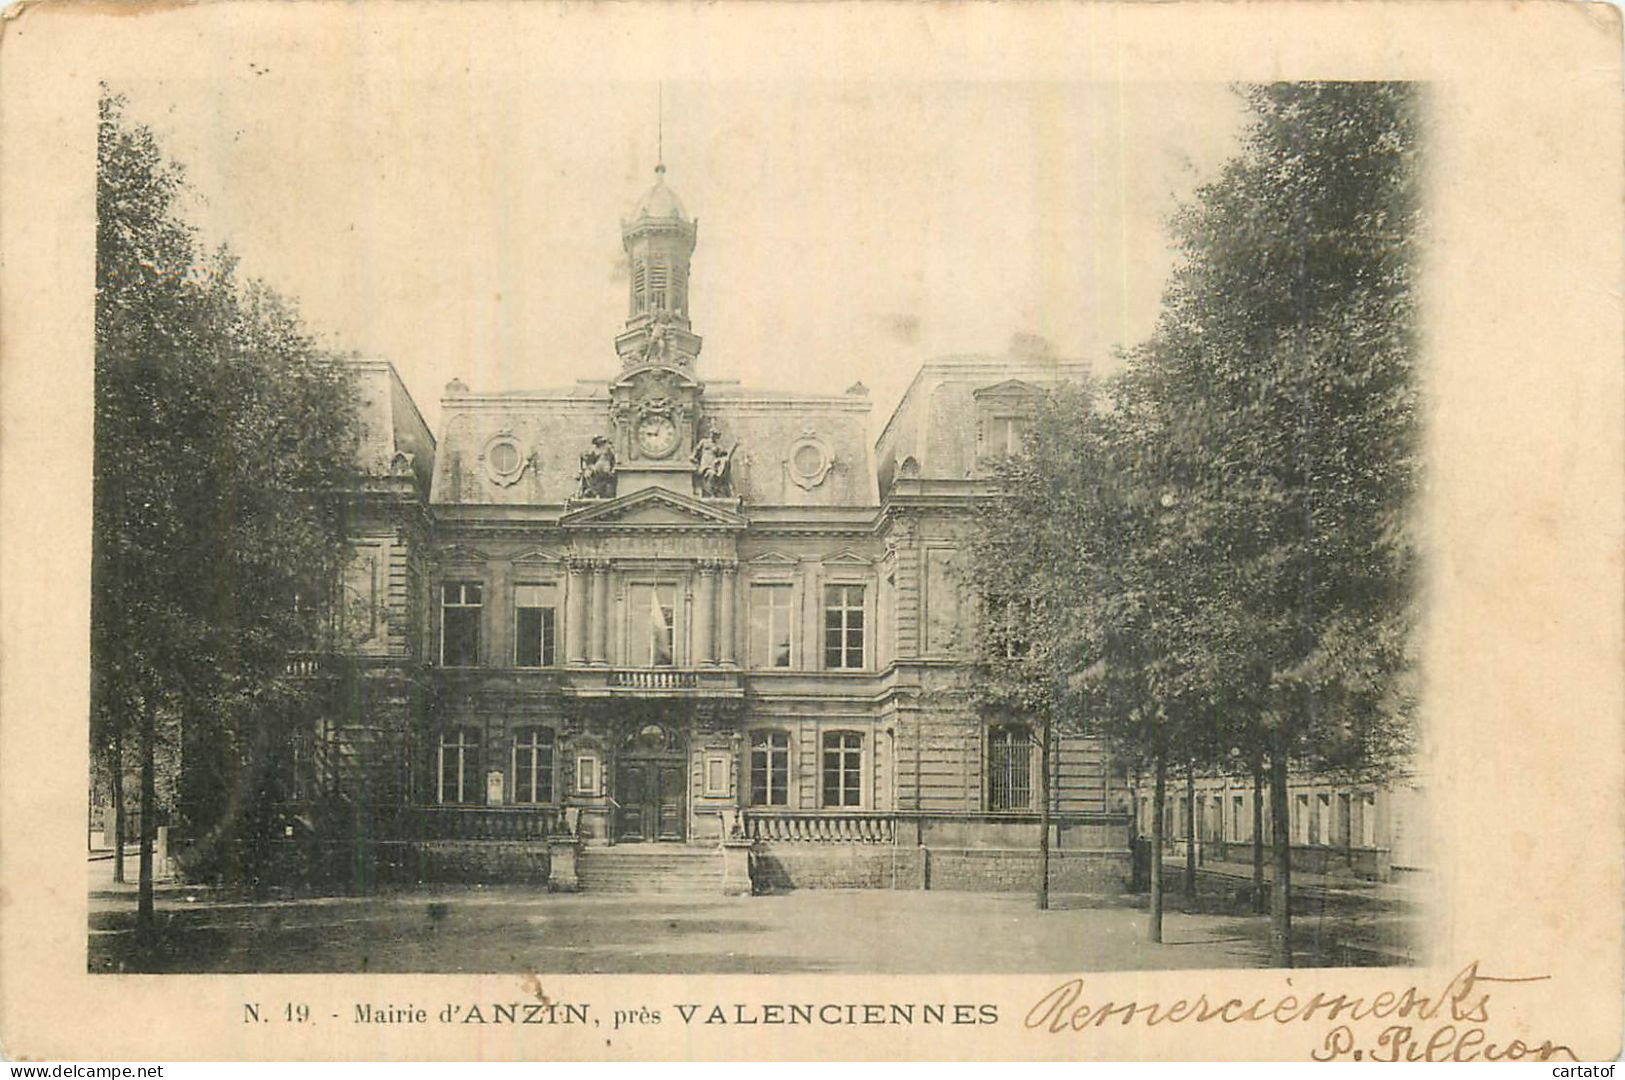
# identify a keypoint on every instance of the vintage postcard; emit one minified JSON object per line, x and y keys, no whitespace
{"x":779,"y":531}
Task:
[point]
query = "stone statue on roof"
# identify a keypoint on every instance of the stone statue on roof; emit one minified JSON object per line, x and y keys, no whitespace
{"x":657,"y":350}
{"x":598,"y":470}
{"x":713,"y":466}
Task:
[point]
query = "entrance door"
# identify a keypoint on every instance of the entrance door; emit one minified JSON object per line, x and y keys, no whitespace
{"x":652,"y":793}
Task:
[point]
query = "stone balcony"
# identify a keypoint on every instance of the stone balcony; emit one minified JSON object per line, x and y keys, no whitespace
{"x":673,"y":682}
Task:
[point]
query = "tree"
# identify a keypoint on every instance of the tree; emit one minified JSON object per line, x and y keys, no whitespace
{"x":1022,"y":561}
{"x":224,"y":439}
{"x":1085,"y":625}
{"x":1218,"y":563}
{"x":1286,"y":348}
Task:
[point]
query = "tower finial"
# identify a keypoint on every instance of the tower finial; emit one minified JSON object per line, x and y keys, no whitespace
{"x":660,"y":129}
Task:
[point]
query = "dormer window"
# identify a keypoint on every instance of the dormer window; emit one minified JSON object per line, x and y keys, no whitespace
{"x":1004,"y":418}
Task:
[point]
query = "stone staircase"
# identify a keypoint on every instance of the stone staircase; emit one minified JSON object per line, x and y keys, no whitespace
{"x":650,"y":868}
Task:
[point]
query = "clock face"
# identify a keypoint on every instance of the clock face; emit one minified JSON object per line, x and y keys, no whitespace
{"x":657,"y":436}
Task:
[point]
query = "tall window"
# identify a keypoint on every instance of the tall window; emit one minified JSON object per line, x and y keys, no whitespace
{"x":770,"y":768}
{"x":460,"y":623}
{"x":533,"y":765}
{"x":843,"y":768}
{"x":460,"y":766}
{"x":1006,"y":435}
{"x":1009,"y":768}
{"x":1008,"y":620}
{"x":651,"y":625}
{"x":770,"y":625}
{"x":535,"y":615}
{"x":843,"y":626}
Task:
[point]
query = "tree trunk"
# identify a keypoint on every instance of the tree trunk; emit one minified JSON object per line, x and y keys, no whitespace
{"x":145,"y":922}
{"x":1044,"y":815}
{"x":116,"y":772}
{"x":1159,"y":794}
{"x":1281,"y":889}
{"x":1190,"y":829}
{"x":1259,"y":905}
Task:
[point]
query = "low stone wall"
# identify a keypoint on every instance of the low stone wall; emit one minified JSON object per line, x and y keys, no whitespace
{"x":465,"y":861}
{"x":1106,"y":873}
{"x":781,"y":867}
{"x":1371,"y":863}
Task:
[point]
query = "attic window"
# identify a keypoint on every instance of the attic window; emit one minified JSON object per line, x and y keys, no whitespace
{"x":505,"y":459}
{"x":809,"y":461}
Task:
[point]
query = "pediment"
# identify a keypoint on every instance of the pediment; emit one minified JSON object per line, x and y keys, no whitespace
{"x":654,"y":508}
{"x":1010,"y":389}
{"x":847,"y":557}
{"x":773,"y":558}
{"x":536,"y":556}
{"x":457,"y":553}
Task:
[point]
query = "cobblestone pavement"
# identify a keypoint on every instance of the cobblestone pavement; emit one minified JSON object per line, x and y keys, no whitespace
{"x":494,"y":929}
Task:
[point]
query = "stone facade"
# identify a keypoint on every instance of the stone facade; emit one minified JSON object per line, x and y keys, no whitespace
{"x":652,"y":609}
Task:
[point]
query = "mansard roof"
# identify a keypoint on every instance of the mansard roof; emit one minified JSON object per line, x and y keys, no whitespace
{"x":394,"y":440}
{"x":548,"y":431}
{"x":933,"y":433}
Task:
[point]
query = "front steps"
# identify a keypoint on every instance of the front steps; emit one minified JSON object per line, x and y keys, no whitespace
{"x":650,"y":868}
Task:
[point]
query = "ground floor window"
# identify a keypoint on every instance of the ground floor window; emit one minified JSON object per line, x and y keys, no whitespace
{"x":843,"y":768}
{"x":770,"y":768}
{"x":460,"y":766}
{"x":1009,"y":768}
{"x":533,"y":765}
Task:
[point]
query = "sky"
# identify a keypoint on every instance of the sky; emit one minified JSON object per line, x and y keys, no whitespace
{"x":466,"y":224}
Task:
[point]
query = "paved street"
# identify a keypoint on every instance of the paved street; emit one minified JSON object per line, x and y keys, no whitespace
{"x":508,"y":928}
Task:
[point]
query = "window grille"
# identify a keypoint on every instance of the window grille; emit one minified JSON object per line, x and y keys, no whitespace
{"x":1010,"y":768}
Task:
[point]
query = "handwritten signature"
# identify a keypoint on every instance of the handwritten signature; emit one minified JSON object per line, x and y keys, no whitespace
{"x":1450,"y":1025}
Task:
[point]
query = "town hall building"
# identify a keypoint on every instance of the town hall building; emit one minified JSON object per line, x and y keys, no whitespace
{"x":653,"y":628}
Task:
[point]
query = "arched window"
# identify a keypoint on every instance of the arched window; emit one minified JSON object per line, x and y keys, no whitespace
{"x":1010,"y":767}
{"x":770,"y":768}
{"x":459,"y":766}
{"x":533,"y":765}
{"x":843,"y":768}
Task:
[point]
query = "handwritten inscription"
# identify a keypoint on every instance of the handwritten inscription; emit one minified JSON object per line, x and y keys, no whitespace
{"x":1451,"y":1024}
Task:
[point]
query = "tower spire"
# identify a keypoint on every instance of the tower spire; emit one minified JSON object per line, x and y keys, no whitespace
{"x":659,"y":241}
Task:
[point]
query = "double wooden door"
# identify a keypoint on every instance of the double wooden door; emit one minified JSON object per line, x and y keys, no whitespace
{"x":653,"y":796}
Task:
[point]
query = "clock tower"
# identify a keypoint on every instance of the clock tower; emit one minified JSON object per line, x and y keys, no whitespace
{"x":659,"y":240}
{"x":655,"y":402}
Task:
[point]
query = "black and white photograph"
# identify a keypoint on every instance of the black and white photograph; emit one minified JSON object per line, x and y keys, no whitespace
{"x":494,"y":568}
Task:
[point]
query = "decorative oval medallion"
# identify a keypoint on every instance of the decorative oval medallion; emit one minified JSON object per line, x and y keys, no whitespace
{"x":505,"y":459}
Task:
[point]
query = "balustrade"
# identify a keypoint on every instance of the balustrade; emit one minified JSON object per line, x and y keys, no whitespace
{"x":820,"y":826}
{"x":653,"y":679}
